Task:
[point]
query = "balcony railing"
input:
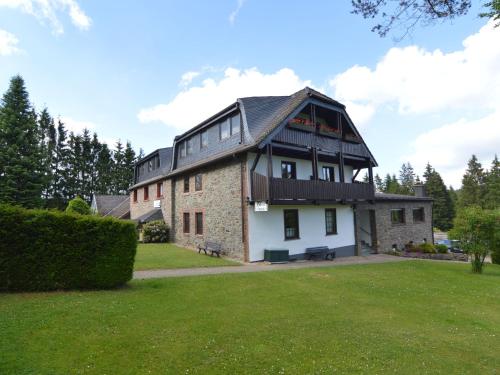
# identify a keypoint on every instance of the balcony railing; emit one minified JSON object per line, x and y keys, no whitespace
{"x":283,"y":190}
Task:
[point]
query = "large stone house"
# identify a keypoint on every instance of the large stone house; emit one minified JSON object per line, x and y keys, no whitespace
{"x":275,"y":172}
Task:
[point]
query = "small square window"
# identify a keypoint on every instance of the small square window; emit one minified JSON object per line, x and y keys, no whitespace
{"x":288,"y":170}
{"x":198,"y":223}
{"x":398,"y":216}
{"x":224,"y":129}
{"x":328,"y":174}
{"x":185,"y":223}
{"x":186,"y":184}
{"x":418,"y":215}
{"x":198,"y":182}
{"x":291,"y":221}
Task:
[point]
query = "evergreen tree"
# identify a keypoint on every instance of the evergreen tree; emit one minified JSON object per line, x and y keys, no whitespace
{"x":20,"y":176}
{"x":379,"y":185}
{"x":59,"y":170}
{"x":492,"y":186}
{"x":95,"y":150}
{"x":442,"y":207}
{"x":47,"y":150}
{"x":104,"y":168}
{"x":118,"y":167}
{"x":128,"y":168}
{"x":472,"y":191}
{"x":407,"y":178}
{"x":86,"y":166}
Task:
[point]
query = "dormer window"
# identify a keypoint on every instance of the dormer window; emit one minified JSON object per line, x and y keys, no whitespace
{"x":224,"y":129}
{"x":190,"y":146}
{"x":182,"y":149}
{"x":204,"y":139}
{"x":235,"y":124}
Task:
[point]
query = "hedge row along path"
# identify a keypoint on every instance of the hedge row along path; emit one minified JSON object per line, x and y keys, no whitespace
{"x":260,"y":267}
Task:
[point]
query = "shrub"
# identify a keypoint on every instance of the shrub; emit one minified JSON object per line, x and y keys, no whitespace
{"x":427,"y":248}
{"x":442,"y":249}
{"x":155,"y":231}
{"x":78,"y":206}
{"x":410,"y":247}
{"x":47,"y":250}
{"x":478,"y":233}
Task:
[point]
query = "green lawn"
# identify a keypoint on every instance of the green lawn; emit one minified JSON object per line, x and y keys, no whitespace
{"x":415,"y":317}
{"x":155,"y":256}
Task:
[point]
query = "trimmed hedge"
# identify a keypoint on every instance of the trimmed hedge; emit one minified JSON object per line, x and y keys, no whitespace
{"x":47,"y":250}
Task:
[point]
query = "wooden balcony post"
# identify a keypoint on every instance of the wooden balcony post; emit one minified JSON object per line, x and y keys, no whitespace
{"x":314,"y":154}
{"x":269,"y":169}
{"x":370,"y":173}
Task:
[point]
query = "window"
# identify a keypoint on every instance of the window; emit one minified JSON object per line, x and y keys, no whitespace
{"x":224,"y":131}
{"x":198,"y":224}
{"x":182,"y":149}
{"x":331,"y":220}
{"x":157,"y":161}
{"x":186,"y":184}
{"x":291,"y":224}
{"x":329,"y":174}
{"x":235,"y":124}
{"x":185,"y":222}
{"x":198,"y":182}
{"x":190,"y":146}
{"x":398,"y":216}
{"x":146,"y":193}
{"x":288,"y":170}
{"x":204,"y":139}
{"x":418,"y":215}
{"x":150,"y":165}
{"x":135,"y":195}
{"x":159,"y":189}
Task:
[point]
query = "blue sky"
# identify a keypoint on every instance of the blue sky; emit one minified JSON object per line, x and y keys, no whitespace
{"x":145,"y":71}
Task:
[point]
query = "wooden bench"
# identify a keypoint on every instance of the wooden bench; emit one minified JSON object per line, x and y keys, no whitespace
{"x":212,"y":247}
{"x":321,"y":252}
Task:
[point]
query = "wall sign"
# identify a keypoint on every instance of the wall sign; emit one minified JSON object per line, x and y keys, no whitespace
{"x":261,"y":207}
{"x":157,"y":203}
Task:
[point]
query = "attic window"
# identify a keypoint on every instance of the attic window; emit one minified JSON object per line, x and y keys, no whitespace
{"x":235,"y":124}
{"x":190,"y":146}
{"x":204,"y":139}
{"x":182,"y":150}
{"x":224,"y":129}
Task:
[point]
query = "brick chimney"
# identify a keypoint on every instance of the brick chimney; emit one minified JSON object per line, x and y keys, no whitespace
{"x":419,"y":190}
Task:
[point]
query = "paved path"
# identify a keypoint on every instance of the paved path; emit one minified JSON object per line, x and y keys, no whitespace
{"x":260,"y":267}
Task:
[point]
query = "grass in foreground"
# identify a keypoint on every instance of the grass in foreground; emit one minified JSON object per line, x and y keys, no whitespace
{"x":407,"y":318}
{"x":157,"y":256}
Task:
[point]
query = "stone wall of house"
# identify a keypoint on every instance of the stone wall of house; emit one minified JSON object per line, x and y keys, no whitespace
{"x":143,"y":206}
{"x":388,"y":233}
{"x":221,"y":204}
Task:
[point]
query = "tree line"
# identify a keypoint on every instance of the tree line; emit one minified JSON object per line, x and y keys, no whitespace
{"x":44,"y":165}
{"x":480,"y":188}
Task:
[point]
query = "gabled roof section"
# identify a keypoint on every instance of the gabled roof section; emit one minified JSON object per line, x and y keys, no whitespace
{"x":112,"y":205}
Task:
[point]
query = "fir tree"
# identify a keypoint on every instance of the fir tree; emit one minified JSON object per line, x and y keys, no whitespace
{"x":407,"y":178}
{"x":59,"y":169}
{"x":442,"y":207}
{"x":492,"y":186}
{"x":379,"y":185}
{"x":118,"y":167}
{"x":104,"y":168}
{"x":128,"y":168}
{"x":472,"y":190}
{"x":47,"y":150}
{"x":20,"y":176}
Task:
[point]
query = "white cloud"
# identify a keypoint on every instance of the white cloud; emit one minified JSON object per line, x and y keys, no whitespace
{"x":188,"y":77}
{"x":449,"y":147}
{"x":46,"y":11}
{"x":419,"y":81}
{"x":194,"y":104}
{"x":8,"y":43}
{"x":234,"y":13}
{"x":77,"y":126}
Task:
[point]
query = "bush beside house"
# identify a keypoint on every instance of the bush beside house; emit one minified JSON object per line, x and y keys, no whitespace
{"x":155,"y":231}
{"x":47,"y":250}
{"x":78,"y":206}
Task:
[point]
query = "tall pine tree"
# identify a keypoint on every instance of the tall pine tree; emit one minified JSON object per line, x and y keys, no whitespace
{"x":21,"y":180}
{"x":442,"y":207}
{"x":492,"y":186}
{"x":472,"y":191}
{"x":407,"y":178}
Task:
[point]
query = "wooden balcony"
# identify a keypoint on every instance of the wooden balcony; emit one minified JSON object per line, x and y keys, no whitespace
{"x":288,"y":191}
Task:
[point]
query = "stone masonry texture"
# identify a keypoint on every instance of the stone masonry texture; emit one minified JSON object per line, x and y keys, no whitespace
{"x":221,"y":204}
{"x":388,"y":233}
